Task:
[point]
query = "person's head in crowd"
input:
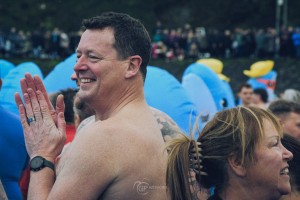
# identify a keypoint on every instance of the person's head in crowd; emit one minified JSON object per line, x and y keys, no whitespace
{"x":245,"y":93}
{"x":126,"y":40}
{"x":81,"y":111}
{"x":288,"y":113}
{"x":124,"y":36}
{"x":293,"y":145}
{"x":291,"y":95}
{"x":239,"y":153}
{"x":69,"y":95}
{"x":260,"y":98}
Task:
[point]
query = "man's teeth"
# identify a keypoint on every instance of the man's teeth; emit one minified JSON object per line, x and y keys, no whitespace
{"x":85,"y":80}
{"x":285,"y":171}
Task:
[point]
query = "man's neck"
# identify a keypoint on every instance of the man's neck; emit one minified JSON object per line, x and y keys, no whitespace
{"x":113,"y":107}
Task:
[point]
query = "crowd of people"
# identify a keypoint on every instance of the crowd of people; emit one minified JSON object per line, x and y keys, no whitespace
{"x":168,"y":43}
{"x":198,"y":42}
{"x":124,"y":149}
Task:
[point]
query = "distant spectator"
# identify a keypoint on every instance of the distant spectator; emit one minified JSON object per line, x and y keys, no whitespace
{"x":81,"y":111}
{"x":296,"y":41}
{"x":245,"y":94}
{"x":291,"y":95}
{"x":260,"y":98}
{"x":69,"y":95}
{"x":288,"y":113}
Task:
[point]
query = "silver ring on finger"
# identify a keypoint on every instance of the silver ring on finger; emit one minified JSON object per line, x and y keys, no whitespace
{"x":30,"y":119}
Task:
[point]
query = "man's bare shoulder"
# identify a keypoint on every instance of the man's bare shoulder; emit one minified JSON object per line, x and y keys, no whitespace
{"x":93,"y":157}
{"x":85,"y":122}
{"x":126,"y":153}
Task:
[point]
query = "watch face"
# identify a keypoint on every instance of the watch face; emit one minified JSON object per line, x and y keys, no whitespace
{"x":36,"y":162}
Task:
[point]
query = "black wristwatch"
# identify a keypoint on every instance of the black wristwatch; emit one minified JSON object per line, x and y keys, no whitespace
{"x":37,"y":163}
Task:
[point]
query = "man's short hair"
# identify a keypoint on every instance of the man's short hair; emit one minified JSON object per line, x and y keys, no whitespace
{"x":131,"y":37}
{"x":244,"y":85}
{"x":262,"y":93}
{"x":282,"y":107}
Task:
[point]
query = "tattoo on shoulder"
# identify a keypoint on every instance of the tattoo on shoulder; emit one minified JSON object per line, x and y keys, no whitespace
{"x":197,"y":192}
{"x":194,"y":186}
{"x":167,"y":125}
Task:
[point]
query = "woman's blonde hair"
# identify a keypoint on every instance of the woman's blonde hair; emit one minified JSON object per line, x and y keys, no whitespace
{"x":234,"y":131}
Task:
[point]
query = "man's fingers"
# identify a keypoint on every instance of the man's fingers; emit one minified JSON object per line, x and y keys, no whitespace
{"x":30,"y":82}
{"x":40,"y":86}
{"x":23,"y":85}
{"x":29,"y":112}
{"x":23,"y":118}
{"x":35,"y":105}
{"x":43,"y":106}
{"x":18,"y":99}
{"x":61,"y":124}
{"x":60,"y":105}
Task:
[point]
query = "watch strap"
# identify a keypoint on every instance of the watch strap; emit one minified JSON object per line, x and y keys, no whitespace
{"x":49,"y":164}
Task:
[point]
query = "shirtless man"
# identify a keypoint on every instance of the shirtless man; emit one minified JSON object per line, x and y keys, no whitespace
{"x":122,"y":154}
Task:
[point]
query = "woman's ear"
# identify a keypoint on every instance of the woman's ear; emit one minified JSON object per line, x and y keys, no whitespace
{"x":236,"y":166}
{"x":134,"y":66}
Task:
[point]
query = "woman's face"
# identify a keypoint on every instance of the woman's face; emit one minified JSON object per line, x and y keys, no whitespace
{"x":270,"y":170}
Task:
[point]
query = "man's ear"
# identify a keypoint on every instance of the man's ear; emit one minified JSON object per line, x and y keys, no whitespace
{"x":236,"y":166}
{"x":134,"y":66}
{"x":0,"y":83}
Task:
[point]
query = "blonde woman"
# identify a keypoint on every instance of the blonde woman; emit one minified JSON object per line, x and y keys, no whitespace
{"x":238,"y":153}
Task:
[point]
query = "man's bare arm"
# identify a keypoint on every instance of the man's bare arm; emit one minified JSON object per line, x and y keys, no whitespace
{"x":44,"y":133}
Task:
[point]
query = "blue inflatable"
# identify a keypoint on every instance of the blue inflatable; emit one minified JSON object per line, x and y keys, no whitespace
{"x":200,"y":95}
{"x":60,"y":77}
{"x":268,"y":82}
{"x":5,"y":67}
{"x":212,"y":81}
{"x":164,"y":92}
{"x":229,"y":94}
{"x":11,"y":84}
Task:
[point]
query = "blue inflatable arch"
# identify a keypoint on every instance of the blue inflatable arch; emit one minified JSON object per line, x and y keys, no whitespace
{"x":11,"y":84}
{"x":200,"y":95}
{"x":60,"y":77}
{"x":5,"y":67}
{"x":212,"y":81}
{"x":164,"y":92}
